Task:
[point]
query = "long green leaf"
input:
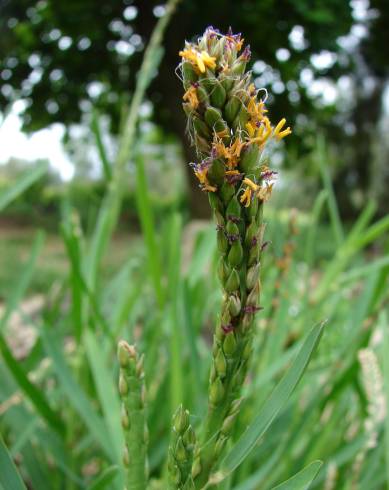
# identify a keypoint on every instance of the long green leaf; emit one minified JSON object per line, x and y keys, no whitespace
{"x":336,"y":222}
{"x":28,"y":178}
{"x":9,"y":475}
{"x":301,"y":480}
{"x":385,"y":359}
{"x":20,"y":288}
{"x":76,"y":395}
{"x":148,"y":229}
{"x":272,"y":406}
{"x":35,"y":395}
{"x":105,"y":385}
{"x":95,"y":126}
{"x":109,"y":211}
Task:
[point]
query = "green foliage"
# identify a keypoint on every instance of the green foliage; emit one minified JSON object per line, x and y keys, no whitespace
{"x":78,"y":383}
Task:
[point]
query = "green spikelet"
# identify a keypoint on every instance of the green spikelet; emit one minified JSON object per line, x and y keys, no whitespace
{"x":132,"y":393}
{"x":181,"y":450}
{"x":229,"y":128}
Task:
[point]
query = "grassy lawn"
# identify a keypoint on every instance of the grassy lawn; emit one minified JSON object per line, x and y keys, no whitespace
{"x":15,"y":247}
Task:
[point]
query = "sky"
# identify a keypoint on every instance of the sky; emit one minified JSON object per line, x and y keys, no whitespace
{"x":45,"y":144}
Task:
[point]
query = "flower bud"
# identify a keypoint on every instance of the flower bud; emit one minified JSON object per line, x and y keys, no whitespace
{"x":215,"y":202}
{"x":226,"y":317}
{"x":202,"y":95}
{"x":241,"y":119}
{"x":232,"y":229}
{"x":239,"y":376}
{"x":213,"y":373}
{"x":124,"y":418}
{"x":235,"y":406}
{"x":222,"y":242}
{"x":212,"y":116}
{"x":218,"y":95}
{"x":252,"y":275}
{"x":232,"y":109}
{"x":180,"y":451}
{"x":201,"y":128}
{"x":254,"y":254}
{"x":247,"y":350}
{"x":222,"y":270}
{"x":219,"y":446}
{"x":219,"y":219}
{"x":228,"y":424}
{"x":252,"y":298}
{"x":123,"y":354}
{"x":229,"y":344}
{"x":221,"y":364}
{"x":251,"y":233}
{"x":235,"y":255}
{"x":252,"y":210}
{"x":216,"y":392}
{"x":233,"y":282}
{"x":196,"y":467}
{"x":233,"y":208}
{"x":123,"y":385}
{"x":181,"y":420}
{"x":188,"y":74}
{"x":175,"y":475}
{"x":227,"y":83}
{"x":249,"y":158}
{"x":234,"y":305}
{"x":226,"y":192}
{"x":216,"y":172}
{"x":189,"y":438}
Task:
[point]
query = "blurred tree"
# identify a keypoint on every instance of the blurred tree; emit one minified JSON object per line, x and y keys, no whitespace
{"x":65,"y":56}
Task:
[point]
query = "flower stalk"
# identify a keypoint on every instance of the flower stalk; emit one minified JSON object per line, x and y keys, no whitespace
{"x":132,"y":393}
{"x":228,"y":125}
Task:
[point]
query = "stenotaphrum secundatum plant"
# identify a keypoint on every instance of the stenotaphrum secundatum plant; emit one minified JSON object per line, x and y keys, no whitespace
{"x":229,"y":128}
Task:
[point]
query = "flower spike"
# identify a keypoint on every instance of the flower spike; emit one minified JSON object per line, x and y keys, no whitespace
{"x":229,"y":127}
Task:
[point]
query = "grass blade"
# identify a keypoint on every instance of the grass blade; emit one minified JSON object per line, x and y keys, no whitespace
{"x":301,"y":480}
{"x":109,"y":211}
{"x":336,"y":222}
{"x":21,"y":287}
{"x":272,"y":406}
{"x":148,"y":229}
{"x":9,"y":475}
{"x":76,"y":395}
{"x":95,"y":126}
{"x":27,"y":178}
{"x":105,"y":385}
{"x":34,"y":394}
{"x":385,"y":359}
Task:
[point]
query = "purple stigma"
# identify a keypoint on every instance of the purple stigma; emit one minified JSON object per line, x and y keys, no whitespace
{"x":246,"y":55}
{"x":228,"y":328}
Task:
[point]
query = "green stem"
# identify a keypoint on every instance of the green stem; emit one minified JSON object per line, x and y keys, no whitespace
{"x":109,"y":212}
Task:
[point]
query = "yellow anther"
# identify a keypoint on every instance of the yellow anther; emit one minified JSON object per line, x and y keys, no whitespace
{"x":278,"y":133}
{"x":190,"y":96}
{"x":251,"y":184}
{"x":245,"y":198}
{"x":199,"y":60}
